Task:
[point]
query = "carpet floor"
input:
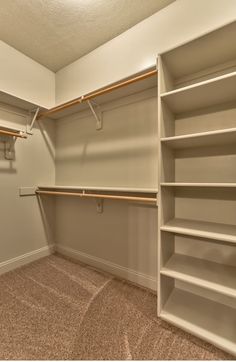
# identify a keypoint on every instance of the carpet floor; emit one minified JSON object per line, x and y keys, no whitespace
{"x":55,"y":308}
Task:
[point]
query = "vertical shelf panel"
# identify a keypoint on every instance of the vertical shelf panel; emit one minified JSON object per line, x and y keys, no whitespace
{"x":196,"y":125}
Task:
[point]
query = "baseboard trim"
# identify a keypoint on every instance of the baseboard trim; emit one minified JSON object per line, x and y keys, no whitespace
{"x":21,"y":260}
{"x":115,"y":269}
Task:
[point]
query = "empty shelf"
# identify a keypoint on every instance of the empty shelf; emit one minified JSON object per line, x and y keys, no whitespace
{"x":211,"y":138}
{"x":203,"y":229}
{"x":198,"y":184}
{"x":207,"y":52}
{"x":98,"y":188}
{"x":205,"y":94}
{"x":204,"y":273}
{"x":212,"y":321}
{"x":99,"y":193}
{"x":124,"y":88}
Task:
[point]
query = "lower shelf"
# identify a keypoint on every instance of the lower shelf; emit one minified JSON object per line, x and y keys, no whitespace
{"x":207,"y":274}
{"x":202,"y":229}
{"x":211,"y":321}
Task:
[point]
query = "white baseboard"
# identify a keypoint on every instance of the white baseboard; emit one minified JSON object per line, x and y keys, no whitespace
{"x":115,"y":269}
{"x":21,"y":260}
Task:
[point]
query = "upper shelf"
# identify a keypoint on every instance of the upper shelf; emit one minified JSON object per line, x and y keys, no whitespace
{"x":139,"y":82}
{"x":98,"y":188}
{"x":18,"y":102}
{"x":125,"y":194}
{"x":128,"y":86}
{"x":196,"y":55}
{"x":204,"y":94}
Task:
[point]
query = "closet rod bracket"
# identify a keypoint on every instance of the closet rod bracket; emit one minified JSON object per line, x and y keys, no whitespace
{"x":33,"y":118}
{"x":96,"y":113}
{"x":99,"y":206}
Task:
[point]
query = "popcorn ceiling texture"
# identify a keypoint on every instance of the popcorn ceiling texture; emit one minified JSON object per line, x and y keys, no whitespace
{"x":58,"y":32}
{"x":57,"y":309}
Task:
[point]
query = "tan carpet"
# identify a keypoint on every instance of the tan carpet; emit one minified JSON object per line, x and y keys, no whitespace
{"x":57,"y":309}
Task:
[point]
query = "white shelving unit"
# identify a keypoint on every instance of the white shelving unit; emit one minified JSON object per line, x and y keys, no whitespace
{"x":197,"y":203}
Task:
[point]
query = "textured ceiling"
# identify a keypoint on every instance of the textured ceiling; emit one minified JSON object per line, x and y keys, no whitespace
{"x":57,"y":32}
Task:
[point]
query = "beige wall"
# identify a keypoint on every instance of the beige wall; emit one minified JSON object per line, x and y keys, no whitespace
{"x":129,"y":53}
{"x":122,"y":239}
{"x":25,"y":234}
{"x":122,"y":154}
{"x":137,"y":48}
{"x":24,"y":78}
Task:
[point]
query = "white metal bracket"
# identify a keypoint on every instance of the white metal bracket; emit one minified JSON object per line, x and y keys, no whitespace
{"x":96,"y":113}
{"x":9,"y":148}
{"x":27,"y":191}
{"x":29,"y":128}
{"x":99,"y":205}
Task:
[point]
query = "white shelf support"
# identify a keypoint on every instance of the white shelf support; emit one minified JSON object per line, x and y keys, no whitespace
{"x":100,"y":205}
{"x":30,"y":127}
{"x":96,"y":113}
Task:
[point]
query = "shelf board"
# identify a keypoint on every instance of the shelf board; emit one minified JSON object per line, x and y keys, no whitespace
{"x":98,"y":194}
{"x":198,"y":184}
{"x":209,"y":320}
{"x":197,"y":55}
{"x":134,"y":88}
{"x":202,"y":229}
{"x":210,"y":138}
{"x":99,"y":188}
{"x":204,"y":94}
{"x":14,"y":101}
{"x":207,"y":274}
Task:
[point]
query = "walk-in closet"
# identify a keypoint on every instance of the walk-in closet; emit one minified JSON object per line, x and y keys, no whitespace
{"x":118,"y":180}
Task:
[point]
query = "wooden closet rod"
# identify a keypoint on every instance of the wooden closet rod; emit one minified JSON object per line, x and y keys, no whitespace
{"x":13,"y":134}
{"x":97,"y":196}
{"x":96,"y":94}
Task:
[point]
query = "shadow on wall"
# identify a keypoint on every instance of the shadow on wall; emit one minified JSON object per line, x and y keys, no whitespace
{"x":7,"y":146}
{"x":123,"y":153}
{"x":121,"y":240}
{"x":47,"y":211}
{"x":48,"y":138}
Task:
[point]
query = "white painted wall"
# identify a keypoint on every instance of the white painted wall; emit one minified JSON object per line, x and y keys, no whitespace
{"x":129,"y":53}
{"x":24,"y":78}
{"x":26,"y":229}
{"x":137,"y":48}
{"x":122,"y":154}
{"x":123,"y":239}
